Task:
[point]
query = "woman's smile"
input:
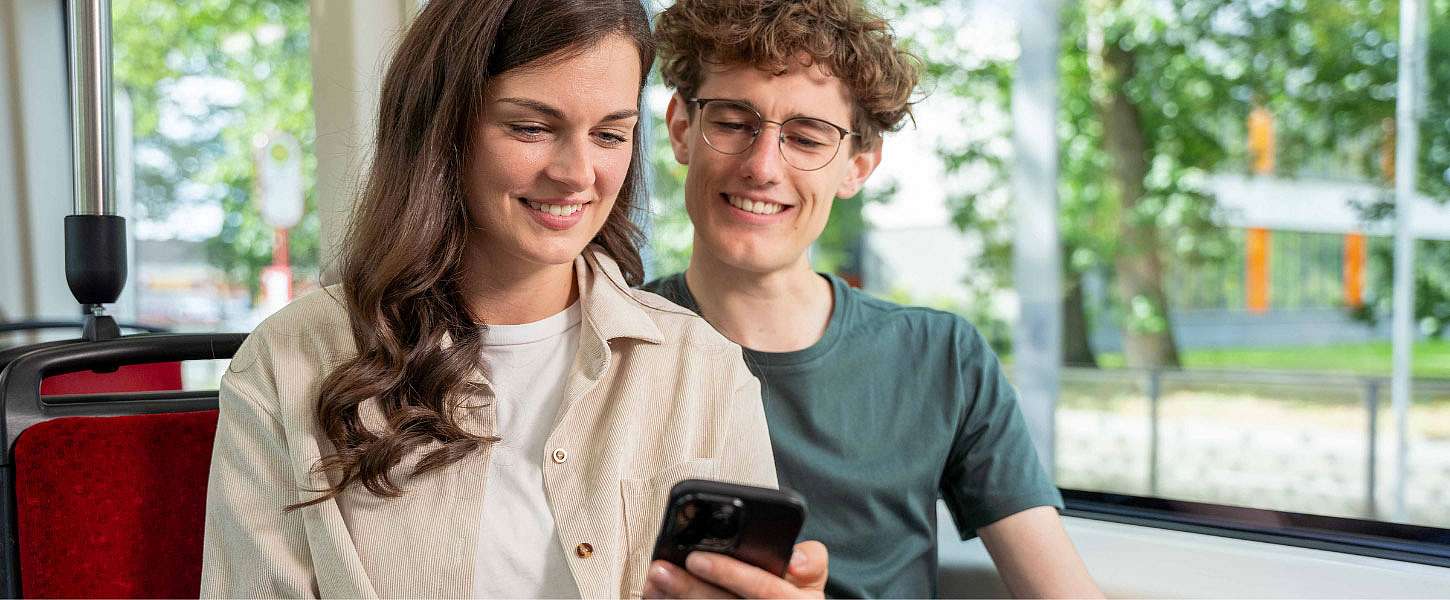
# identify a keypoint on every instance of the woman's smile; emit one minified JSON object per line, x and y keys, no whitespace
{"x":557,"y":215}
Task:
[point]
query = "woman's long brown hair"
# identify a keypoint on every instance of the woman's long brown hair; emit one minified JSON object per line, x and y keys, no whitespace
{"x":402,"y":263}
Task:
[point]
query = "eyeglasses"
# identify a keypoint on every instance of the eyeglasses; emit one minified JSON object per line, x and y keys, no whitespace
{"x":806,"y":143}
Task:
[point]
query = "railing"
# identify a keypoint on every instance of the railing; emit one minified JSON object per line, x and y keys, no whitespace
{"x":1152,"y":383}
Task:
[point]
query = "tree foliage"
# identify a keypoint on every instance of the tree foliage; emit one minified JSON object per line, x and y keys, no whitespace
{"x":1194,"y":71}
{"x":670,"y":234}
{"x":204,"y":78}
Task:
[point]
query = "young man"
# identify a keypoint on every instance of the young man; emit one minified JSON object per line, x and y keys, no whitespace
{"x":875,"y":410}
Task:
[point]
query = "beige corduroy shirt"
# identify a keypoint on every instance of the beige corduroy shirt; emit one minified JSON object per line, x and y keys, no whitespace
{"x":655,"y":396}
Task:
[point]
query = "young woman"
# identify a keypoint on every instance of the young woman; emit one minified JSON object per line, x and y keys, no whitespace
{"x":482,"y":406}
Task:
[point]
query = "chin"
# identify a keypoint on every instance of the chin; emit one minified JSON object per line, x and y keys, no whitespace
{"x":555,"y":251}
{"x":757,"y":257}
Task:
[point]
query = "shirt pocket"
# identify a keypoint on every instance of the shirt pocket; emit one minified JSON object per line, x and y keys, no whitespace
{"x":644,"y":511}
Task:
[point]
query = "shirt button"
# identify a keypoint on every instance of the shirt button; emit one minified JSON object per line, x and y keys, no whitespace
{"x":559,"y":456}
{"x":584,"y":550}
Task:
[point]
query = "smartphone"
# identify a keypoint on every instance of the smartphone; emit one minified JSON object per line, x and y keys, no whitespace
{"x":752,"y":524}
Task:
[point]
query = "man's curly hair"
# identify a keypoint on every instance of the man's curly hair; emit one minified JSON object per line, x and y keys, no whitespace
{"x":841,"y":36}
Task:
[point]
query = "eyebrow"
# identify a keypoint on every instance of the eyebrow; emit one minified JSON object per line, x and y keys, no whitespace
{"x":553,"y":112}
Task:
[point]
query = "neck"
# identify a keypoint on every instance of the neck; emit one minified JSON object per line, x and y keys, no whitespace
{"x":517,"y":293}
{"x":777,"y":311}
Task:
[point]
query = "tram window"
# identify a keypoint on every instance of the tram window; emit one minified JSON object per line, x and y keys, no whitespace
{"x":214,"y":120}
{"x":1227,"y":288}
{"x":1251,"y":366}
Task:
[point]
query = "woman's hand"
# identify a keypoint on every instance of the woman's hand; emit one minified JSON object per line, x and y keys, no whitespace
{"x":718,"y":576}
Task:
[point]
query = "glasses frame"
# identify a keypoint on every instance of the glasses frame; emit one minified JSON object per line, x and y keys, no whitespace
{"x":700,"y":104}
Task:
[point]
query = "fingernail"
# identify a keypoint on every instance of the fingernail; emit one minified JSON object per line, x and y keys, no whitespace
{"x":699,"y":564}
{"x":798,"y":560}
{"x":659,"y":577}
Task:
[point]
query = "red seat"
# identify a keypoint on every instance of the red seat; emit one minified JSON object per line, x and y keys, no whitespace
{"x":153,"y":377}
{"x":113,"y":506}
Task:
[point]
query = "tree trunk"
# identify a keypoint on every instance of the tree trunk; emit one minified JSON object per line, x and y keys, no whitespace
{"x":1148,"y":335}
{"x":1075,"y":349}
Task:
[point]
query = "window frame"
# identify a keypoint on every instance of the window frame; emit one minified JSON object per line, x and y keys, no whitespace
{"x":1378,"y":539}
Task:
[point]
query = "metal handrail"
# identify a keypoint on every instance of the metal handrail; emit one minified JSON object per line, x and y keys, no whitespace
{"x":1314,"y":380}
{"x":92,"y":106}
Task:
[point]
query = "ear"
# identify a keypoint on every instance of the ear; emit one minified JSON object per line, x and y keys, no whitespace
{"x":677,"y":120}
{"x":860,"y":166}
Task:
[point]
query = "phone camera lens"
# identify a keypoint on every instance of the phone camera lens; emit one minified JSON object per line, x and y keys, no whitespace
{"x":709,"y":524}
{"x":722,"y":521}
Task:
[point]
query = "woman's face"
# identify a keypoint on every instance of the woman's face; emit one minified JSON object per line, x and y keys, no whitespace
{"x":550,"y":154}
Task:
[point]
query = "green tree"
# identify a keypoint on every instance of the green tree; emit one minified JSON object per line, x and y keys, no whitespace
{"x":838,"y":250}
{"x":1154,"y":96}
{"x":205,"y":77}
{"x":978,"y":83}
{"x":671,"y":234}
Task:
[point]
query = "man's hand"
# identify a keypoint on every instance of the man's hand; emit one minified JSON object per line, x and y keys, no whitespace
{"x":718,"y":576}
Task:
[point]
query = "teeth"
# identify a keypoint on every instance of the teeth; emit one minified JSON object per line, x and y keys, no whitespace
{"x":757,"y":207}
{"x":558,"y":210}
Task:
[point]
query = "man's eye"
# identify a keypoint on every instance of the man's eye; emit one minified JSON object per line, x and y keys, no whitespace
{"x":806,"y":143}
{"x":732,"y":126}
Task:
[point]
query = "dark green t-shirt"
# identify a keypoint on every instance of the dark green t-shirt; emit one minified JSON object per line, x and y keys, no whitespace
{"x":893,"y":408}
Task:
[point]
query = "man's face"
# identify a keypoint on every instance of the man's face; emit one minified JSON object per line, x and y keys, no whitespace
{"x":755,"y":211}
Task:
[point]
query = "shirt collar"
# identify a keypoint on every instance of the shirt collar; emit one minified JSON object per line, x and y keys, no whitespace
{"x":610,"y":312}
{"x":610,"y":307}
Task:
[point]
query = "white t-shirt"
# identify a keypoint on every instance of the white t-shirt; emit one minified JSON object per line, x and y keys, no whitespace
{"x":519,"y":555}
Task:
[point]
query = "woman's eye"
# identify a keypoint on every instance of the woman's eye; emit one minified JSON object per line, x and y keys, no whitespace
{"x":527,"y":130}
{"x":612,"y":138}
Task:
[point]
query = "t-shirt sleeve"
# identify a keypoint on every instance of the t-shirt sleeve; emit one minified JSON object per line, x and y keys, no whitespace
{"x":992,"y":470}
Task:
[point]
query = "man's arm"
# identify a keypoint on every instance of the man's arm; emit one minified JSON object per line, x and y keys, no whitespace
{"x":1035,"y":558}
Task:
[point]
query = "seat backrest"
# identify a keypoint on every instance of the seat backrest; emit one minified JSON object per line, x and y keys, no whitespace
{"x":103,"y":494}
{"x":152,"y":377}
{"x":113,"y":506}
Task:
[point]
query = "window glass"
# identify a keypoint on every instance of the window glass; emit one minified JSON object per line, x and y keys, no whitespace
{"x":214,"y":149}
{"x":1227,"y":187}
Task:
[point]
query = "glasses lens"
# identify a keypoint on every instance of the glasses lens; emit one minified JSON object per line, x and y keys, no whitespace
{"x":809,"y":143}
{"x":729,"y":127}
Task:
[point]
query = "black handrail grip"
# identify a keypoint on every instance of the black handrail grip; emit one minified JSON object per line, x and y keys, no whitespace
{"x":20,"y":380}
{"x":9,"y":355}
{"x":126,"y":350}
{"x":60,"y":402}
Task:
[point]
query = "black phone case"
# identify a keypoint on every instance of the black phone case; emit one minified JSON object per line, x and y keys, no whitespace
{"x":768,"y":530}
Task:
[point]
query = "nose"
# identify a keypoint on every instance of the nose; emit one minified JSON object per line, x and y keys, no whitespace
{"x":572,"y":166}
{"x":762,"y":162}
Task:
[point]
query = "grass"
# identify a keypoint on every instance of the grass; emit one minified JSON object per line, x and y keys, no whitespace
{"x":1431,"y":359}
